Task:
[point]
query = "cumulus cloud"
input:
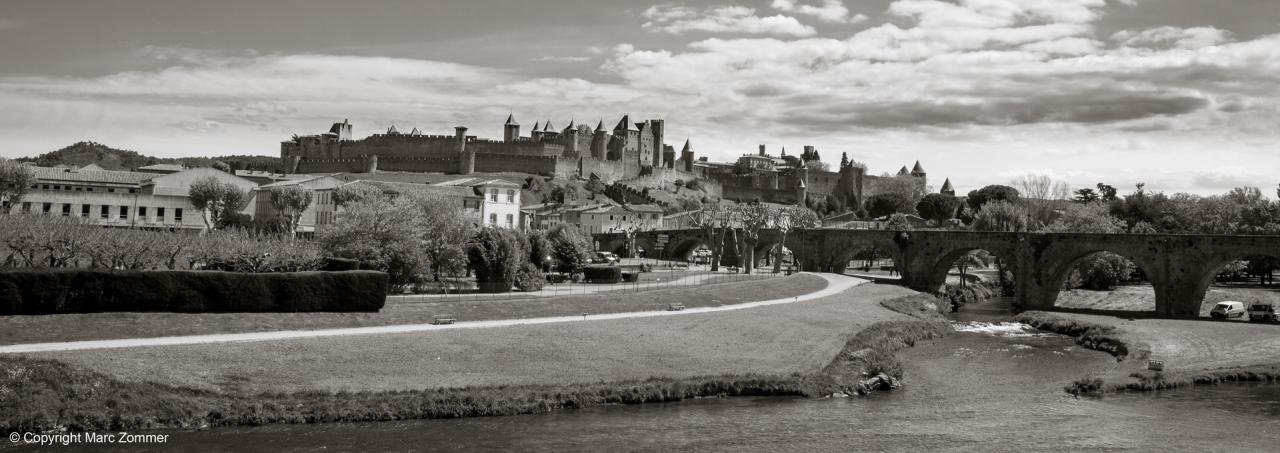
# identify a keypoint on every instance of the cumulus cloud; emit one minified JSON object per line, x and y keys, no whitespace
{"x":721,"y":19}
{"x":826,"y":10}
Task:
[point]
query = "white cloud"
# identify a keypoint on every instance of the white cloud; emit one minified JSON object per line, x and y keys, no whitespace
{"x":562,"y":59}
{"x":721,"y":19}
{"x":1172,"y":37}
{"x":826,"y":10}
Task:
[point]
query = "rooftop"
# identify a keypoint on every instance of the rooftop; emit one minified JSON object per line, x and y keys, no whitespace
{"x":99,"y":176}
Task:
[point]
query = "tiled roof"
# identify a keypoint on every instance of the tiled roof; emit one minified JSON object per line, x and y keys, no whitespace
{"x":164,"y":167}
{"x":399,"y":187}
{"x":99,"y":176}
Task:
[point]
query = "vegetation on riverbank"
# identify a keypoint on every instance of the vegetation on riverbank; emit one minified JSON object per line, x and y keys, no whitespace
{"x":1098,"y":337}
{"x":44,"y":395}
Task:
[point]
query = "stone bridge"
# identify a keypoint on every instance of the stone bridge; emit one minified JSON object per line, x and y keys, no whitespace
{"x":1179,"y":267}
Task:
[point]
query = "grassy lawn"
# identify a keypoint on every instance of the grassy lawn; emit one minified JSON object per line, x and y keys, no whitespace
{"x":103,"y":326}
{"x":772,"y":340}
{"x":1143,"y":297}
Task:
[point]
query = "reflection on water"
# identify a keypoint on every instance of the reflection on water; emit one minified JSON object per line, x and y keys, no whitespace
{"x":971,"y":391}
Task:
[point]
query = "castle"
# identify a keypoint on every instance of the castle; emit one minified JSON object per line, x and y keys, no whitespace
{"x":627,"y":151}
{"x":631,"y":158}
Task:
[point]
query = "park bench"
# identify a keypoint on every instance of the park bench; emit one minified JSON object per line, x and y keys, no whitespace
{"x":675,"y":307}
{"x":443,"y":319}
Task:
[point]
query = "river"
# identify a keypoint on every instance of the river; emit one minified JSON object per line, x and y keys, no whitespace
{"x":990,"y":387}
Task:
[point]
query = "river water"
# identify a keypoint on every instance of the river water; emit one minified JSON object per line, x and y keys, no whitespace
{"x":991,"y":387}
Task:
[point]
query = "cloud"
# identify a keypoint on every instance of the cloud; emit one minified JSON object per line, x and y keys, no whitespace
{"x":721,"y":19}
{"x":826,"y":10}
{"x":557,"y":59}
{"x":1168,"y":37}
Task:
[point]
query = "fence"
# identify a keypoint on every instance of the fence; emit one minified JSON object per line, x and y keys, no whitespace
{"x":664,"y":275}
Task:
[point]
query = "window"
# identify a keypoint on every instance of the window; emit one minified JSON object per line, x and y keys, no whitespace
{"x":46,"y":187}
{"x":511,"y":196}
{"x":131,"y":190}
{"x":48,"y":207}
{"x":111,"y":190}
{"x":177,"y":215}
{"x":90,"y":189}
{"x":66,"y":209}
{"x":104,"y":211}
{"x":142,"y":213}
{"x":124,"y":213}
{"x":493,"y":219}
{"x":160,"y":214}
{"x":493,"y":195}
{"x":511,"y":220}
{"x":26,"y":206}
{"x":84,"y":210}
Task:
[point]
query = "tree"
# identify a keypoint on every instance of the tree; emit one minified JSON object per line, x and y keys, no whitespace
{"x":570,"y":249}
{"x":785,"y":219}
{"x":355,"y":193}
{"x":939,"y":207}
{"x":1087,"y":218}
{"x":1086,"y":195}
{"x":1000,"y":215}
{"x":713,"y":221}
{"x":980,"y":197}
{"x":291,"y":201}
{"x":883,"y":204}
{"x":974,"y":258}
{"x":442,"y":228}
{"x":216,"y":199}
{"x":15,"y":180}
{"x":539,"y":248}
{"x":1107,"y":192}
{"x":221,"y":166}
{"x":497,"y":255}
{"x":380,"y":233}
{"x":754,"y":216}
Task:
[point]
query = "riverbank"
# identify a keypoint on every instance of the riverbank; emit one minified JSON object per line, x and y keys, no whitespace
{"x":398,"y":310}
{"x":772,"y":350}
{"x":1142,"y":297}
{"x":1192,"y":352}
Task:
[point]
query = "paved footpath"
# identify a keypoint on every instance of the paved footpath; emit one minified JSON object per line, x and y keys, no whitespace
{"x":836,"y":284}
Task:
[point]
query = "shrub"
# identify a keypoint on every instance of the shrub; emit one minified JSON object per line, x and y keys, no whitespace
{"x":530,"y":278}
{"x":602,"y":274}
{"x":570,"y":249}
{"x":630,"y":277}
{"x":38,"y":292}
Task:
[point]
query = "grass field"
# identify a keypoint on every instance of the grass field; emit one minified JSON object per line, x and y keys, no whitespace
{"x":1143,"y":297}
{"x":104,"y":326}
{"x":772,"y":340}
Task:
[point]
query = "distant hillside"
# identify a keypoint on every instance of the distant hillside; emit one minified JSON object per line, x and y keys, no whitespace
{"x":85,"y":153}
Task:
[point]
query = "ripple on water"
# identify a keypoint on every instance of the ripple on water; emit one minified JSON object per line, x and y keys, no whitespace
{"x":1000,"y":329}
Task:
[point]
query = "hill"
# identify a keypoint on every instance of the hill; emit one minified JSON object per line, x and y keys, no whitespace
{"x":85,"y":153}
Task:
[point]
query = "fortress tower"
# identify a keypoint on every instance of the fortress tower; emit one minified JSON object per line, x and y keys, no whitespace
{"x":511,"y":130}
{"x":466,"y":157}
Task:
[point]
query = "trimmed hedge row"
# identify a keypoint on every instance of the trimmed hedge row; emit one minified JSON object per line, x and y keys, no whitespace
{"x":41,"y":292}
{"x":602,"y":274}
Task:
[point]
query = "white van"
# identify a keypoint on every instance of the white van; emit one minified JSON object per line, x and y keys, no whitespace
{"x":1228,"y":309}
{"x":1263,"y":311}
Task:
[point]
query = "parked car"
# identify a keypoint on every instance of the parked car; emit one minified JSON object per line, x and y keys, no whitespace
{"x":1263,"y":311}
{"x":1227,"y":309}
{"x":605,"y":258}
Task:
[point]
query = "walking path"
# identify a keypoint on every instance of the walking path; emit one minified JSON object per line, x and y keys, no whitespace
{"x":552,"y":290}
{"x":836,"y":284}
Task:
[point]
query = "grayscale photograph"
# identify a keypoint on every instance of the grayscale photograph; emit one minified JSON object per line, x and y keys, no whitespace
{"x":641,"y":225}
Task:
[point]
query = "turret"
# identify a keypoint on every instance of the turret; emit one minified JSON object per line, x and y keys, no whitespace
{"x":917,"y":170}
{"x":656,"y":130}
{"x":510,"y":130}
{"x":686,"y":154}
{"x":535,"y":133}
{"x":947,"y":189}
{"x":600,"y":142}
{"x":466,"y":157}
{"x":903,"y":171}
{"x":762,"y":150}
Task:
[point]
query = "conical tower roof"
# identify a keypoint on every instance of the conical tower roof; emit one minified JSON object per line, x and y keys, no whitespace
{"x":546,"y":127}
{"x":535,"y":125}
{"x":903,"y":171}
{"x":917,"y":168}
{"x":624,"y":124}
{"x":687,"y":147}
{"x":946,"y":186}
{"x":511,"y":120}
{"x":600,"y":126}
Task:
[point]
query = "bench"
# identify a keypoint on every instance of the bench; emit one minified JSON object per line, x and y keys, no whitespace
{"x":675,"y":307}
{"x":1155,"y":365}
{"x":443,"y":319}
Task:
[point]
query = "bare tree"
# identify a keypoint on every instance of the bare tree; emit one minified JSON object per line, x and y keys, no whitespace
{"x":291,"y":201}
{"x":1041,"y":195}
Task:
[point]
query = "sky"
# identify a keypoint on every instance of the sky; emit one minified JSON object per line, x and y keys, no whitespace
{"x":1182,"y":95}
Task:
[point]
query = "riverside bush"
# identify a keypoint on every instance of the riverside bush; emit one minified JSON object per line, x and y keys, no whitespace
{"x":40,"y":292}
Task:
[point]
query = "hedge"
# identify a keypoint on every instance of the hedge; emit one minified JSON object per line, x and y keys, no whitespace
{"x":40,"y":292}
{"x":602,"y":274}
